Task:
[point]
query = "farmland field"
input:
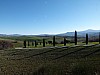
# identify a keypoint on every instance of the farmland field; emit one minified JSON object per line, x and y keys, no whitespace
{"x":80,"y":60}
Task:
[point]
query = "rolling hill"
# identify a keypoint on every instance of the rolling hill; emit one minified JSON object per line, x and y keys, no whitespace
{"x":80,"y":33}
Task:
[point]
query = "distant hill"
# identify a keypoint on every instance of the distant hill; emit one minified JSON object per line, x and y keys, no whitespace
{"x":82,"y":33}
{"x":5,"y":35}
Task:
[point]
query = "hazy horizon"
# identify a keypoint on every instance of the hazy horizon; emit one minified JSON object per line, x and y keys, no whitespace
{"x":47,"y":33}
{"x":34,"y":17}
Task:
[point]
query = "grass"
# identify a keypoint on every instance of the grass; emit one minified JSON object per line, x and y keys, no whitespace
{"x":76,"y":60}
{"x":18,"y":40}
{"x":43,"y":62}
{"x":20,"y":44}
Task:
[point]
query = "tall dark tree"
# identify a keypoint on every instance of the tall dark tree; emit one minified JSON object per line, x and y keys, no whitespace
{"x":28,"y":43}
{"x":24,"y":44}
{"x":43,"y":42}
{"x":99,"y":37}
{"x":86,"y":39}
{"x":64,"y":41}
{"x":46,"y":42}
{"x":35,"y":43}
{"x":75,"y":37}
{"x":32,"y":43}
{"x":53,"y":40}
{"x":40,"y":43}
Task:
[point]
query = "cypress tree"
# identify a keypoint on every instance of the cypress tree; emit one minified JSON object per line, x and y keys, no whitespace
{"x":99,"y":37}
{"x":24,"y":44}
{"x":53,"y":40}
{"x":64,"y":41}
{"x":75,"y":37}
{"x":32,"y":43}
{"x":43,"y":42}
{"x":46,"y":42}
{"x":40,"y":43}
{"x":35,"y":43}
{"x":86,"y":39}
{"x":28,"y":43}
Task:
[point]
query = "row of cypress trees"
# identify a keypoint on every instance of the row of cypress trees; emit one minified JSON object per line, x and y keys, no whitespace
{"x":35,"y":43}
{"x":54,"y":41}
{"x":25,"y":43}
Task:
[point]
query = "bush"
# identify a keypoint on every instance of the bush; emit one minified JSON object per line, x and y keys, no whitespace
{"x":83,"y":69}
{"x":5,"y":44}
{"x":50,"y":42}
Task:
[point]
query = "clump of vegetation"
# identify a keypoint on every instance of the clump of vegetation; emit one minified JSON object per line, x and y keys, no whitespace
{"x":50,"y":69}
{"x":40,"y":71}
{"x":5,"y":44}
{"x":83,"y":69}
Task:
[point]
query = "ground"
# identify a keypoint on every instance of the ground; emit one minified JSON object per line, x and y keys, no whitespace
{"x":51,"y":61}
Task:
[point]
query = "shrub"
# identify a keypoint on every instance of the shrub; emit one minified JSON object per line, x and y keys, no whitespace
{"x":40,"y":71}
{"x":83,"y":69}
{"x":50,"y":42}
{"x":5,"y":44}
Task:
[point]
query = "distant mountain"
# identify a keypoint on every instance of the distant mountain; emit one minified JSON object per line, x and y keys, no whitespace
{"x":15,"y":35}
{"x":90,"y":31}
{"x":42,"y":35}
{"x":2,"y":34}
{"x":5,"y":35}
{"x":82,"y":33}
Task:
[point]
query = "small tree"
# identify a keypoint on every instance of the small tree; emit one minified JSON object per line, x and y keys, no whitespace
{"x":49,"y":42}
{"x":99,"y":37}
{"x":40,"y":43}
{"x":43,"y":42}
{"x":64,"y":41}
{"x":46,"y":42}
{"x":53,"y":40}
{"x":32,"y":43}
{"x":24,"y":44}
{"x":28,"y":43}
{"x":35,"y":43}
{"x":86,"y":39}
{"x":75,"y":37}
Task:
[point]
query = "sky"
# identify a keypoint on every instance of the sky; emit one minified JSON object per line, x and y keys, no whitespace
{"x":33,"y":17}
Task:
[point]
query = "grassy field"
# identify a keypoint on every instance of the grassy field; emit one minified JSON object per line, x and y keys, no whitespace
{"x":18,"y":40}
{"x":72,"y":60}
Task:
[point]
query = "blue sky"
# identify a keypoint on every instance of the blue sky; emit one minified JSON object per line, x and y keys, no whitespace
{"x":48,"y":16}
